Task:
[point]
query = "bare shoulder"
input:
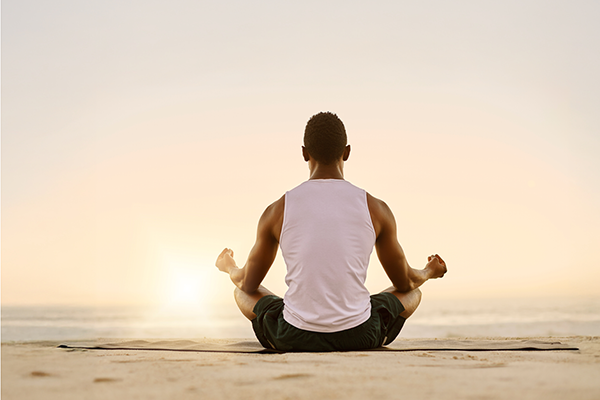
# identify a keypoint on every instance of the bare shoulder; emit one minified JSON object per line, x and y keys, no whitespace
{"x":276,"y":207}
{"x":378,"y":206}
{"x":272,"y":218}
{"x":381,"y":214}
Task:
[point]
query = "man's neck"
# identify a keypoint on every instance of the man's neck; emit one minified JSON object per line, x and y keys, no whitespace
{"x":332,"y":171}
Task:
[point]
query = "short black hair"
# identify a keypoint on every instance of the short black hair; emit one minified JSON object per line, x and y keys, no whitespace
{"x":325,"y":137}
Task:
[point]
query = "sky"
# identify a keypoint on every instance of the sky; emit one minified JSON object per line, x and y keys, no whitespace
{"x":140,"y":138}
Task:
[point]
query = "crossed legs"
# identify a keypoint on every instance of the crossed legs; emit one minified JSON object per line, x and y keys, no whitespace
{"x":410,"y":300}
{"x":247,"y":301}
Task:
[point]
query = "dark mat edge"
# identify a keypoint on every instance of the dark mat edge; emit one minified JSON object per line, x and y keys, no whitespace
{"x":81,"y":347}
{"x":528,"y":348}
{"x":272,"y":351}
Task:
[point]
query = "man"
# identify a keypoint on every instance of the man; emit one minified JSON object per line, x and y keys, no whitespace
{"x":327,"y":228}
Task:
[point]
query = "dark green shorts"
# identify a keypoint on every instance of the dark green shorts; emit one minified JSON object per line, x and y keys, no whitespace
{"x":380,"y":329}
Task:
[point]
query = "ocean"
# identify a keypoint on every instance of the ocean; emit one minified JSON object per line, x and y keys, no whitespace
{"x":435,"y":318}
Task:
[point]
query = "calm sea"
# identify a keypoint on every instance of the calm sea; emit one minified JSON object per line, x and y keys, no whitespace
{"x":435,"y":318}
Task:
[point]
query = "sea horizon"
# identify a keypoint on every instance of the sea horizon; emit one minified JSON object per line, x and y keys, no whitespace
{"x":435,"y":318}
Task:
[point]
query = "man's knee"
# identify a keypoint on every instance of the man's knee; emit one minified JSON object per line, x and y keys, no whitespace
{"x":410,"y":301}
{"x":418,"y":295}
{"x":245,"y":303}
{"x":240,"y":296}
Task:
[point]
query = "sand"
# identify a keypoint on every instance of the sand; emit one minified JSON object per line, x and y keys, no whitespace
{"x":39,"y":370}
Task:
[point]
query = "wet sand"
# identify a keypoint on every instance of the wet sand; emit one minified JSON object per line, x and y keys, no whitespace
{"x":39,"y":370}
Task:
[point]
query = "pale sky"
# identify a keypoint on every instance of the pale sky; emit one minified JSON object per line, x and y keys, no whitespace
{"x":140,"y":138}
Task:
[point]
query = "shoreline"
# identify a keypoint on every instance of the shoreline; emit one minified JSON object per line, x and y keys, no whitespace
{"x":38,"y":369}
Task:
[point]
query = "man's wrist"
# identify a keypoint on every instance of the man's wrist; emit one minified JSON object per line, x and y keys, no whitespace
{"x":232,"y":268}
{"x":428,"y":272}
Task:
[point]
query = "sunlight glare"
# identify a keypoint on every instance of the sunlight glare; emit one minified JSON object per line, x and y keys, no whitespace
{"x":186,"y":285}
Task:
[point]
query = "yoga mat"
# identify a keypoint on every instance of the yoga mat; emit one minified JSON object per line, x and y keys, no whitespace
{"x":475,"y":345}
{"x":252,"y":346}
{"x":205,"y":345}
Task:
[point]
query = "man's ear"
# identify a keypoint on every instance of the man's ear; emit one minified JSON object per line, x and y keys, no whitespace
{"x":346,"y":153}
{"x":305,"y":154}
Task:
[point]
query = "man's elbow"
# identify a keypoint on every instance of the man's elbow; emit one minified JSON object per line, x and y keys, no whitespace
{"x":405,"y":287}
{"x":247,"y":288}
{"x":403,"y":283}
{"x":243,"y":286}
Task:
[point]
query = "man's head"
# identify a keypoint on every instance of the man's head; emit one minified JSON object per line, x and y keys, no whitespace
{"x":325,"y":138}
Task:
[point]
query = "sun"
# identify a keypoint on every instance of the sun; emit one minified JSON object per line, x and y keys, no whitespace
{"x":184,"y":289}
{"x":186,"y":285}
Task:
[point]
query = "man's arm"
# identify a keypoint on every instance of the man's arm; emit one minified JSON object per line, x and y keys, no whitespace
{"x":390,"y":253}
{"x":262,"y":255}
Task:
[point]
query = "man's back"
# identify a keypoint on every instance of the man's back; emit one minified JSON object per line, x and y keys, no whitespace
{"x":326,"y":241}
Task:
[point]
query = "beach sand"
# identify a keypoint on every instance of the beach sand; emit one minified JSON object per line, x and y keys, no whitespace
{"x":39,"y":370}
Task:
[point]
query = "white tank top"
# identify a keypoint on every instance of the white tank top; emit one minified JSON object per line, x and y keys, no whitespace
{"x":326,"y":240}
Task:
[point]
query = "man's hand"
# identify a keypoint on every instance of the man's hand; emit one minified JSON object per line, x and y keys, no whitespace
{"x":225,"y":261}
{"x":436,"y":265}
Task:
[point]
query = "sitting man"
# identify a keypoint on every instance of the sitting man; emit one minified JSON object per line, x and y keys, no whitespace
{"x":327,"y":228}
